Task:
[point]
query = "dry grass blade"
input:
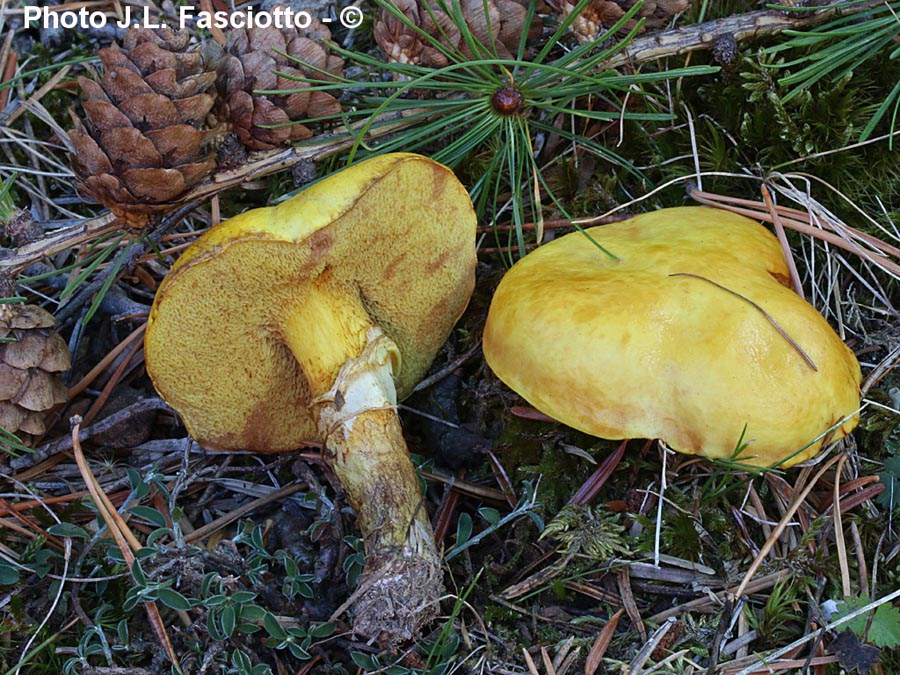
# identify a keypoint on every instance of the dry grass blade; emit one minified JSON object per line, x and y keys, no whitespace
{"x":866,"y":246}
{"x":768,"y":316}
{"x":839,"y":542}
{"x":782,"y":239}
{"x":125,"y":539}
{"x":601,"y":644}
{"x":779,"y":529}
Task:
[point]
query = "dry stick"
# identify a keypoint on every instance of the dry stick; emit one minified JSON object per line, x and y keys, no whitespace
{"x":765,"y":664}
{"x":837,"y":522}
{"x":104,"y":363}
{"x":794,"y":214}
{"x":768,"y":316}
{"x":702,"y":604}
{"x":860,"y":553}
{"x":126,"y":541}
{"x":263,"y":164}
{"x":782,"y":239}
{"x":65,"y":443}
{"x":782,"y":524}
{"x":752,"y":25}
{"x":113,"y":382}
{"x":241,"y":511}
{"x":637,"y":664}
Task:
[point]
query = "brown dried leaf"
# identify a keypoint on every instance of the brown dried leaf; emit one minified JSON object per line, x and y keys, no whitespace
{"x":853,"y":655}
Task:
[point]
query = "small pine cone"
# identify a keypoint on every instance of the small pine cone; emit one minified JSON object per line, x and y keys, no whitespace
{"x":145,"y":139}
{"x":403,"y":44}
{"x":496,"y":24}
{"x":31,"y":357}
{"x":600,"y":15}
{"x":501,"y":27}
{"x":251,"y":62}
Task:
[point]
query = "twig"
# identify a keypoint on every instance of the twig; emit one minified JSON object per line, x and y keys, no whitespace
{"x":65,"y":443}
{"x":126,"y":541}
{"x":782,"y":239}
{"x":782,"y":524}
{"x":768,"y":316}
{"x":749,"y":26}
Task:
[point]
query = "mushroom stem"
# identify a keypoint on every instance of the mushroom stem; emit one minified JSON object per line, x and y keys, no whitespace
{"x":355,"y":411}
{"x":357,"y":417}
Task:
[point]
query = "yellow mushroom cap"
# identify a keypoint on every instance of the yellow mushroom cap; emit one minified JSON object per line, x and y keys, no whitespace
{"x":395,"y":235}
{"x":669,"y":341}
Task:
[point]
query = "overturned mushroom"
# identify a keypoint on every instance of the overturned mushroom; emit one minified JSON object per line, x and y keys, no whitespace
{"x":688,"y":333}
{"x":306,"y":322}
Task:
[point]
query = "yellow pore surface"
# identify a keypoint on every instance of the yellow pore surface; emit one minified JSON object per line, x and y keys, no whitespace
{"x":392,"y":240}
{"x":624,"y":349}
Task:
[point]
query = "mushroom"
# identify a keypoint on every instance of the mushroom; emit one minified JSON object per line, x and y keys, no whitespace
{"x":307,"y":321}
{"x":682,"y":327}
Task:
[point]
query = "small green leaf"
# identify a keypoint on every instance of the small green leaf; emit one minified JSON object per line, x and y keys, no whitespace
{"x":8,"y":574}
{"x":365,"y":661}
{"x":151,"y":515}
{"x":70,"y":530}
{"x":273,"y":626}
{"x":252,"y":612}
{"x":491,"y":515}
{"x":229,"y":620}
{"x":241,"y":597}
{"x":463,"y":528}
{"x":298,"y":651}
{"x":322,"y":630}
{"x":884,"y":629}
{"x":173,"y":599}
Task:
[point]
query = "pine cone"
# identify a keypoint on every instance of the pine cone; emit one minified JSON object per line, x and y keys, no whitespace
{"x":600,"y":15}
{"x":29,"y":367}
{"x":403,"y":44}
{"x":251,"y":62}
{"x":145,"y":140}
{"x":500,"y":28}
